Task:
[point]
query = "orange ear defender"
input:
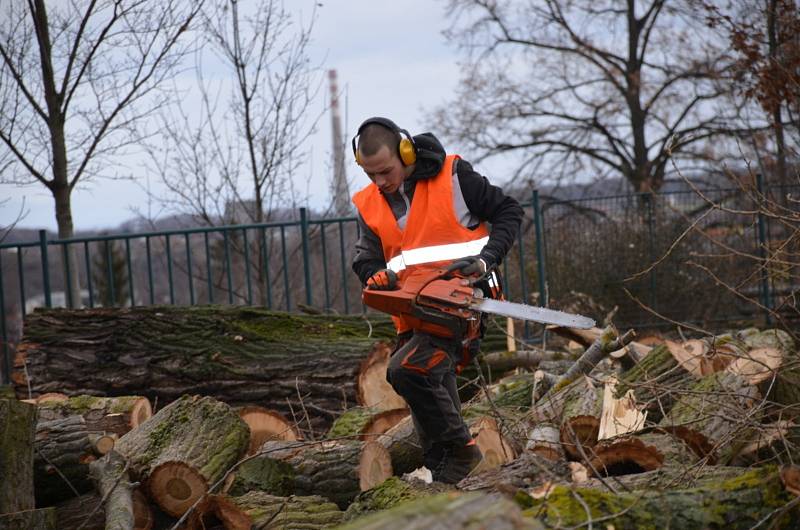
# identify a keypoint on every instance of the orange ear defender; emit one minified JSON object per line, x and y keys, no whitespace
{"x":406,"y":148}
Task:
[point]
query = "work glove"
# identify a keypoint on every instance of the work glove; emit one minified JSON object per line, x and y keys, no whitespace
{"x":383,"y":280}
{"x":470,"y":266}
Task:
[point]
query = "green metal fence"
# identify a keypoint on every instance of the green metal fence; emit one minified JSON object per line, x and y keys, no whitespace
{"x":585,"y":255}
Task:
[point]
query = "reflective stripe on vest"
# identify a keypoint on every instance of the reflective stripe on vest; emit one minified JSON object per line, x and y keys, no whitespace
{"x":452,"y":251}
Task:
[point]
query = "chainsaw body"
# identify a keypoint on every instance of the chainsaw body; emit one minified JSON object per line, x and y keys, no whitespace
{"x":432,"y":301}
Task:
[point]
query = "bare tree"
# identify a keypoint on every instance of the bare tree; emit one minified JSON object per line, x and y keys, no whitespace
{"x":238,"y":158}
{"x":74,"y":82}
{"x":587,"y":88}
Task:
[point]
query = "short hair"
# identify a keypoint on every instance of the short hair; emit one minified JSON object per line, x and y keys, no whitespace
{"x":374,"y":136}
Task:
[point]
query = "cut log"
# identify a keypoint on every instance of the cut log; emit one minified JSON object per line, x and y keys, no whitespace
{"x":668,"y":477}
{"x":495,"y":447}
{"x":86,"y":510}
{"x":44,"y":519}
{"x":17,"y":433}
{"x":544,"y":440}
{"x":637,"y":454}
{"x":116,"y":415}
{"x":337,"y":469}
{"x":260,"y":510}
{"x":373,"y":390}
{"x":620,"y":415}
{"x":64,"y":449}
{"x":184,"y":449}
{"x":713,"y":412}
{"x":657,"y":382}
{"x":585,"y":337}
{"x":529,"y":470}
{"x":580,"y":420}
{"x":403,"y":445}
{"x":266,"y":424}
{"x":110,"y":476}
{"x":467,"y":511}
{"x":756,"y":497}
{"x":768,"y":443}
{"x":365,"y":423}
{"x":390,"y":493}
{"x":240,"y":355}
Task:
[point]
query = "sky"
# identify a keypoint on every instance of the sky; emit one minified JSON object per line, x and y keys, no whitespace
{"x":392,"y":60}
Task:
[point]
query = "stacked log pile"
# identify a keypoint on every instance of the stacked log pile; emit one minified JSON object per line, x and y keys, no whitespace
{"x":697,"y":433}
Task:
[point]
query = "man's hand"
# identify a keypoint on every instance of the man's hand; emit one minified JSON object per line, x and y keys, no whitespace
{"x":470,"y":266}
{"x":383,"y":280}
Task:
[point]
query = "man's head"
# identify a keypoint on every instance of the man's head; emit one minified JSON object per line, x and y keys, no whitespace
{"x":381,"y":145}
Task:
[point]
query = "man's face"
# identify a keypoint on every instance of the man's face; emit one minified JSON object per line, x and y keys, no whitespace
{"x":385,"y":169}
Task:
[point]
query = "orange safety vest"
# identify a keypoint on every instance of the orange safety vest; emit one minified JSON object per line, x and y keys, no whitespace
{"x":433,"y":237}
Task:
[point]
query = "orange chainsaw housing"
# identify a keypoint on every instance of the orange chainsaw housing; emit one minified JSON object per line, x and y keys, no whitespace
{"x":432,"y":301}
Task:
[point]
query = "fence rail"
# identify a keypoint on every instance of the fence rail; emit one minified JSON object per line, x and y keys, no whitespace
{"x":587,"y":255}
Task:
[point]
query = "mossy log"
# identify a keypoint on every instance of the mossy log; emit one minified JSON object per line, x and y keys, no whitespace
{"x":240,"y":355}
{"x":116,"y":415}
{"x":657,"y":381}
{"x":366,"y":423}
{"x":88,"y":510}
{"x":714,"y":413}
{"x":390,"y":493}
{"x":17,"y":433}
{"x":110,"y":476}
{"x":528,"y":471}
{"x":465,"y":511}
{"x":43,"y":519}
{"x":580,"y":420}
{"x":257,"y":509}
{"x":184,"y":449}
{"x":756,"y":497}
{"x":64,"y":449}
{"x":668,"y":477}
{"x":337,"y":469}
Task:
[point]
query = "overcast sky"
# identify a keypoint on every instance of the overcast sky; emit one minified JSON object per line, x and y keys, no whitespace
{"x":393,"y":60}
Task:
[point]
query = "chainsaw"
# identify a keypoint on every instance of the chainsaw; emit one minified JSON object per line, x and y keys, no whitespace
{"x":446,"y":304}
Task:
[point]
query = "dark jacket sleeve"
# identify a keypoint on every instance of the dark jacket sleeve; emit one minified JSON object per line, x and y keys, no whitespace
{"x":368,"y":258}
{"x":490,"y":204}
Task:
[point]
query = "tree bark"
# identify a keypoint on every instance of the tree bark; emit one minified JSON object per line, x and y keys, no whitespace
{"x":17,"y":432}
{"x":74,"y":512}
{"x":752,"y":498}
{"x":528,"y":471}
{"x":110,"y":476}
{"x":337,"y":470}
{"x":366,"y":424}
{"x":110,"y":415}
{"x":243,"y":356}
{"x":257,"y":509}
{"x":184,"y":449}
{"x":44,"y":519}
{"x":390,"y":493}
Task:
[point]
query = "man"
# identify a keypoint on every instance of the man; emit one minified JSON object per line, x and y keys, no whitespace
{"x":426,"y":209}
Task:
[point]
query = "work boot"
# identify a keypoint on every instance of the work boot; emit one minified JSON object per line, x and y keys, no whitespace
{"x":457,"y":462}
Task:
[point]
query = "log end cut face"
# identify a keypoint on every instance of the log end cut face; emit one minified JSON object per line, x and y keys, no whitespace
{"x":624,"y":457}
{"x":374,"y":467}
{"x":175,"y":487}
{"x":382,"y":422}
{"x":495,"y":448}
{"x":265,"y":425}
{"x":373,"y":389}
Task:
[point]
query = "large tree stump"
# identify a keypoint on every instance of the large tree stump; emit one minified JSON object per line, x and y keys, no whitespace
{"x":713,"y":412}
{"x":240,"y":355}
{"x":466,"y":511}
{"x":184,"y":449}
{"x":64,"y":449}
{"x":116,"y":415}
{"x":17,"y":431}
{"x":336,"y":469}
{"x":755,"y":497}
{"x":44,"y":519}
{"x":257,"y":509}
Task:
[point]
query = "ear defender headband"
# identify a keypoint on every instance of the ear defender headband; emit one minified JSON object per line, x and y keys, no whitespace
{"x":405,"y":148}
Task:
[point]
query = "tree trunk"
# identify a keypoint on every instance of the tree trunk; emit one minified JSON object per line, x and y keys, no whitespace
{"x":755,"y":497}
{"x":257,"y":509}
{"x":390,"y":493}
{"x":74,"y":512}
{"x":580,"y":420}
{"x":338,"y":470}
{"x":243,"y":356}
{"x":110,"y":476}
{"x":528,"y":471}
{"x":184,"y":449}
{"x":445,"y":511}
{"x":110,"y":415}
{"x":625,"y":455}
{"x":64,"y":448}
{"x":44,"y":519}
{"x":17,"y":432}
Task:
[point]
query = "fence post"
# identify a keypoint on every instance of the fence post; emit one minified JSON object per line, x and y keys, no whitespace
{"x":48,"y":302}
{"x":306,"y":260}
{"x":766,"y":298}
{"x":651,"y":232}
{"x":4,"y":332}
{"x":540,"y":265}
